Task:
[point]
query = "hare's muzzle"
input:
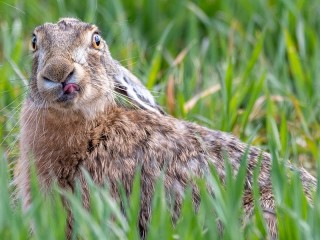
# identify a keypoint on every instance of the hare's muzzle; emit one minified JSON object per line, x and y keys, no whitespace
{"x":57,"y":81}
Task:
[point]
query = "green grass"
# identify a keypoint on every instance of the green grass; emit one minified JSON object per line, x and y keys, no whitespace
{"x":250,"y":67}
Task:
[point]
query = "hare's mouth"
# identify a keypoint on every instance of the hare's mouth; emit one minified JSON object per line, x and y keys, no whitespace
{"x":70,"y":91}
{"x":69,"y":88}
{"x":67,"y":97}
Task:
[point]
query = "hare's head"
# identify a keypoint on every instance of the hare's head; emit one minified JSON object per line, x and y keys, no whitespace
{"x":72,"y":67}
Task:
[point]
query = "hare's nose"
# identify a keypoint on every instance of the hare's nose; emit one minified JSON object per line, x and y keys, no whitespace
{"x":57,"y":70}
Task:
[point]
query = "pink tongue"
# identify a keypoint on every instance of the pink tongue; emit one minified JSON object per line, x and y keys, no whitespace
{"x":70,"y":88}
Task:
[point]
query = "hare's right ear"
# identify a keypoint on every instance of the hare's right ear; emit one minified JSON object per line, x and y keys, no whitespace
{"x":129,"y":85}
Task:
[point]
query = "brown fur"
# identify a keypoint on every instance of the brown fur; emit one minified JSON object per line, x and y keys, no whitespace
{"x":93,"y":132}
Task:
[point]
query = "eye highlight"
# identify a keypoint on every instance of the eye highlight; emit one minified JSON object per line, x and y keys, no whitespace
{"x":96,"y":41}
{"x":34,"y":42}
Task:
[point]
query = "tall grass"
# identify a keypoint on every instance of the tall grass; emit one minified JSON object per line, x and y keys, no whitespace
{"x":250,"y":67}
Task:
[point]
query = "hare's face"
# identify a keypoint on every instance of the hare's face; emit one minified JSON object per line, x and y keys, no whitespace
{"x":72,"y":67}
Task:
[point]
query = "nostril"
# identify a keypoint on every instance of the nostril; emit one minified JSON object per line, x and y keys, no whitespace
{"x":69,"y":85}
{"x":69,"y":75}
{"x":47,"y":79}
{"x":49,"y":84}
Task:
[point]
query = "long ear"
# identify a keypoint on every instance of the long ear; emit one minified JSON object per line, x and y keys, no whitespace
{"x":129,"y":85}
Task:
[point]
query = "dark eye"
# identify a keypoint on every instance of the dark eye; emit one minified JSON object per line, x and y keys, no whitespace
{"x":34,"y":42}
{"x":96,"y":41}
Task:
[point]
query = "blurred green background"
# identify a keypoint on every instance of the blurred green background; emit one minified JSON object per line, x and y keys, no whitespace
{"x":236,"y":66}
{"x":250,"y":67}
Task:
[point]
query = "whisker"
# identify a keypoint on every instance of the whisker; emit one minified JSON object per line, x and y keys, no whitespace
{"x":126,"y":59}
{"x":8,"y":105}
{"x":18,"y":9}
{"x":7,"y":136}
{"x":17,"y":71}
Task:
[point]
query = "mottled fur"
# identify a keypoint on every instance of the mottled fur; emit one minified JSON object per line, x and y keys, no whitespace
{"x":111,"y":142}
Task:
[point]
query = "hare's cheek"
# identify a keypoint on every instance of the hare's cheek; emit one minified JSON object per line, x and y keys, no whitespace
{"x":80,"y":74}
{"x":40,"y":59}
{"x":80,"y":56}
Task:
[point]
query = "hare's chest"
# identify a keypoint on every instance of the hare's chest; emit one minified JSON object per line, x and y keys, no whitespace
{"x":59,"y":155}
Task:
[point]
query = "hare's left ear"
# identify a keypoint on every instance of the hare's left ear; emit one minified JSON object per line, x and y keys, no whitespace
{"x":129,"y":85}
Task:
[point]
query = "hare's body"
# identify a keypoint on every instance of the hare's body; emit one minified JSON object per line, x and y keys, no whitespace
{"x":179,"y":149}
{"x":71,"y":121}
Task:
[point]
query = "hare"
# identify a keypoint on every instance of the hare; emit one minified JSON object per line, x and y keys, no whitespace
{"x":71,"y":120}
